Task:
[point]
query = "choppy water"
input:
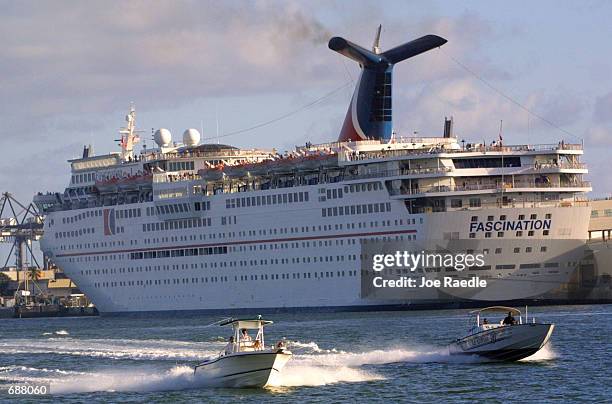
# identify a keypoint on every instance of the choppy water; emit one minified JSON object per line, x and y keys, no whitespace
{"x":382,"y":356}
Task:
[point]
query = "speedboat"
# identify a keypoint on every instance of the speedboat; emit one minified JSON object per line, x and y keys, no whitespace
{"x":506,"y":340}
{"x":245,"y":361}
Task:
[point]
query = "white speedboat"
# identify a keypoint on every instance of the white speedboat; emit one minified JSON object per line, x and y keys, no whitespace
{"x":245,"y":361}
{"x":506,"y":340}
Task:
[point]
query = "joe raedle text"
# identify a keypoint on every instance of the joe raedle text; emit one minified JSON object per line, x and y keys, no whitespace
{"x":422,"y":282}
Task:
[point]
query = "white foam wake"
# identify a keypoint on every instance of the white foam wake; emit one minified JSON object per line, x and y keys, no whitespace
{"x":175,"y":378}
{"x":114,"y":348}
{"x":545,"y":354}
{"x":311,"y":365}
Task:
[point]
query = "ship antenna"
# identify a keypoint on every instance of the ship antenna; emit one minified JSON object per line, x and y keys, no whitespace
{"x":217,"y":121}
{"x":129,"y":135}
{"x":376,"y":45}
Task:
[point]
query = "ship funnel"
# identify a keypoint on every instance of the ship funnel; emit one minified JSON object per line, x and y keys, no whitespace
{"x":370,"y":114}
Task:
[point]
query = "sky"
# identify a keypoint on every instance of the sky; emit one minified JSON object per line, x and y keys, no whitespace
{"x":71,"y":69}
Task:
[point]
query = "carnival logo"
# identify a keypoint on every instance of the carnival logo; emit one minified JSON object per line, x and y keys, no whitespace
{"x":109,"y":222}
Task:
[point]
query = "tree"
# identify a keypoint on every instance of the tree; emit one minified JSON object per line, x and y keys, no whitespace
{"x":34,"y":274}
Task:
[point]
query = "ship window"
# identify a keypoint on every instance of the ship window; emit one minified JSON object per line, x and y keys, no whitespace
{"x":546,"y":232}
{"x":517,"y":250}
{"x":531,"y":233}
{"x":549,"y":216}
{"x":519,"y":233}
{"x":500,"y":234}
{"x":488,"y":235}
{"x":521,"y":217}
{"x":533,"y":216}
{"x":472,"y":235}
{"x":456,"y":203}
{"x":475,"y":202}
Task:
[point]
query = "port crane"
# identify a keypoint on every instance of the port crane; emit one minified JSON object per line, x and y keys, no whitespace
{"x":20,"y":226}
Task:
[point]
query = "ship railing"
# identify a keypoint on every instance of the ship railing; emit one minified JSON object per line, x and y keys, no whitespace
{"x":562,"y":165}
{"x":436,"y":149}
{"x":488,"y":187}
{"x":152,"y":156}
{"x":399,"y":172}
{"x":505,"y":204}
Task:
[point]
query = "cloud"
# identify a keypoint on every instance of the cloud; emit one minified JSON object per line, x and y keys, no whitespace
{"x":85,"y":56}
{"x":71,"y":68}
{"x":603,"y":108}
{"x":599,"y":135}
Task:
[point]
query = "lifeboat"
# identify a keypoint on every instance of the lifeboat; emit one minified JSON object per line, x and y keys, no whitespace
{"x":211,"y":174}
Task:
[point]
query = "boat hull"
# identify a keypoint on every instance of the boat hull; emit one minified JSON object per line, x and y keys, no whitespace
{"x":244,"y":369}
{"x":508,"y":343}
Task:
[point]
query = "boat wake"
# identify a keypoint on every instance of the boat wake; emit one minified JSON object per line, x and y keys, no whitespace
{"x":311,"y":365}
{"x":547,"y":353}
{"x":131,"y":349}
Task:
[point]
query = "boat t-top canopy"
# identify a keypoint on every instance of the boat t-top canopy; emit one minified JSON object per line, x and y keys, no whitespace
{"x":247,"y":323}
{"x":504,"y":309}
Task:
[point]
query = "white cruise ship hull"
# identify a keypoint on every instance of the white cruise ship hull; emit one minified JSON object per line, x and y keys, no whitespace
{"x":286,"y":257}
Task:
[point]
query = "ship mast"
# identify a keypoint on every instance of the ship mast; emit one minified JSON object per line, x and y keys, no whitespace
{"x":129,"y":136}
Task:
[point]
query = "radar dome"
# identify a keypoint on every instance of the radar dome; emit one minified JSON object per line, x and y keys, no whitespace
{"x":162,"y":137}
{"x":191,"y":137}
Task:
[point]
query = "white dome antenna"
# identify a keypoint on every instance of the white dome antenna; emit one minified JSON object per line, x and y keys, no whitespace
{"x":162,"y":137}
{"x":191,"y":137}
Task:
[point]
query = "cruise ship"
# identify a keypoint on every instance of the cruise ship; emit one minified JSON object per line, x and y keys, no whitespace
{"x":190,"y":226}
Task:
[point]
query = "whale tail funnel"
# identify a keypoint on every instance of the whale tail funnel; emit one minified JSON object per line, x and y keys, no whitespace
{"x":369,"y":115}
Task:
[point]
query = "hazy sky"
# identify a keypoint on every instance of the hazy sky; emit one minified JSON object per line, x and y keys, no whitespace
{"x":70,"y":70}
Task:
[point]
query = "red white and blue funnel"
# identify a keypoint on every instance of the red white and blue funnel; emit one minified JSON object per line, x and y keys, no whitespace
{"x":370,"y":114}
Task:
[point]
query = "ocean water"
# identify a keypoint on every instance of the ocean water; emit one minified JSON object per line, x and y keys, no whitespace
{"x":338,"y":357}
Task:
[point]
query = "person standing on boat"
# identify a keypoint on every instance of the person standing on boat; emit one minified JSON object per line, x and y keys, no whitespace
{"x":230,"y":347}
{"x":509,"y":320}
